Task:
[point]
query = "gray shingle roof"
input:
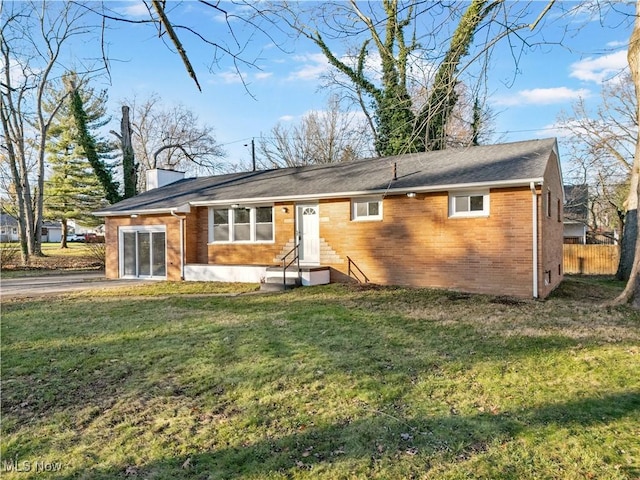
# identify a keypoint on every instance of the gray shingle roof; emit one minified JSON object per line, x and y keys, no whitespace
{"x":487,"y":164}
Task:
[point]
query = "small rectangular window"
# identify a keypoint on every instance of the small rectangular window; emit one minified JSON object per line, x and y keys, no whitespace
{"x":367,"y":209}
{"x":473,"y":204}
{"x":241,"y":225}
{"x":476,"y":203}
{"x":548,"y":203}
{"x":220,"y":225}
{"x":559,"y":210}
{"x":264,"y":224}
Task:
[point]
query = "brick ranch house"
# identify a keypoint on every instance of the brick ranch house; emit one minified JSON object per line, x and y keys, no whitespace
{"x":484,"y":219}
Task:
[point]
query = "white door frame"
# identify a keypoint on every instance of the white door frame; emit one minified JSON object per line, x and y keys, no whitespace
{"x":150,"y":229}
{"x":308,"y":237}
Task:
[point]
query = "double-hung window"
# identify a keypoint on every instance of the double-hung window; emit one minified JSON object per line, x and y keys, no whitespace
{"x":241,"y":224}
{"x":366,"y":209}
{"x":469,"y":204}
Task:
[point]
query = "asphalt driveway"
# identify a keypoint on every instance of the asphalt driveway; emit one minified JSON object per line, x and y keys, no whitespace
{"x":35,"y":286}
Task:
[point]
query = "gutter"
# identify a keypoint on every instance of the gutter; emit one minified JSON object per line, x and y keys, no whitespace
{"x":534,"y":206}
{"x":184,"y":208}
{"x":182,"y":219}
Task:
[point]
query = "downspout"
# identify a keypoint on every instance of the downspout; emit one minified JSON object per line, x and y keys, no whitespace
{"x":181,"y":218}
{"x":534,"y":206}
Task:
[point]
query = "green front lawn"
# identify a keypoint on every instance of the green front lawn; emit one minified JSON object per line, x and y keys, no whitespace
{"x":325,"y":382}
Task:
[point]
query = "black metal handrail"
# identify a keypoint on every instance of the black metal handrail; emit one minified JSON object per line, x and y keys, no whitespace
{"x":351,"y":271}
{"x":285,"y":265}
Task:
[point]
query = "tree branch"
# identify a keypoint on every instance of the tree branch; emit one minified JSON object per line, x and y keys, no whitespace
{"x":159,"y":8}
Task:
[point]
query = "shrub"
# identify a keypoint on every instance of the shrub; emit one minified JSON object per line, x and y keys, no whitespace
{"x":9,"y":255}
{"x":98,"y":252}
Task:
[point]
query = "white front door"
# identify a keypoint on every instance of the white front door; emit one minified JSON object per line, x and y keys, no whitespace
{"x":309,"y":231}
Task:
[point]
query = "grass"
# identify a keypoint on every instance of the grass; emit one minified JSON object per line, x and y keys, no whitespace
{"x":325,"y":382}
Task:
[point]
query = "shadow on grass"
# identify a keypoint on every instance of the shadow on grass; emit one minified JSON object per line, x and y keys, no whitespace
{"x":80,"y":362}
{"x":65,"y":357}
{"x":378,"y":440}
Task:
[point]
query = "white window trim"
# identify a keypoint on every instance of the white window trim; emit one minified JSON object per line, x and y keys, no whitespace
{"x":145,"y":229}
{"x":252,"y":228}
{"x":469,"y":193}
{"x":366,"y":218}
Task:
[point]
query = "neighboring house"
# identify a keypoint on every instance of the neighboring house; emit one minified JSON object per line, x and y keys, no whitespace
{"x":576,"y":213}
{"x":51,"y":231}
{"x":8,"y":228}
{"x":484,"y":219}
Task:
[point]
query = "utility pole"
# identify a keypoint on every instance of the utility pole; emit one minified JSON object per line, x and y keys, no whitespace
{"x":253,"y":153}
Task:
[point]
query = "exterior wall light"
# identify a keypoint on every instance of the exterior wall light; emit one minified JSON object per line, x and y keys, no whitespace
{"x":235,"y":205}
{"x":411,"y":194}
{"x":284,"y":210}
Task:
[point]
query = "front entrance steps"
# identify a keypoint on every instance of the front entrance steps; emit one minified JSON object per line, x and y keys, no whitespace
{"x":307,"y":276}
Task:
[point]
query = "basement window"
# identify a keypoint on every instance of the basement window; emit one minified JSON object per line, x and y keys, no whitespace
{"x":366,"y":209}
{"x":241,"y":225}
{"x":468,"y":204}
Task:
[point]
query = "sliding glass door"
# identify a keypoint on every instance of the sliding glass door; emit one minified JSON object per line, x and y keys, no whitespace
{"x":143,"y":252}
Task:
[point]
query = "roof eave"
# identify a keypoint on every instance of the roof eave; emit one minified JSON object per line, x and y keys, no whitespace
{"x":384,"y":192}
{"x":184,"y":208}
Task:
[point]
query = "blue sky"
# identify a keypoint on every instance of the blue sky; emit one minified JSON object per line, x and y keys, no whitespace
{"x":526,"y":95}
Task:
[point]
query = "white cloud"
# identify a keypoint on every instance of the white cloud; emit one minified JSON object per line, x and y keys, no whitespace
{"x":19,"y":74}
{"x":598,"y":69}
{"x":286,"y":118}
{"x":554,"y":130}
{"x":229,"y":77}
{"x":313,"y":66}
{"x":617,"y":44}
{"x":543,"y":96}
{"x":135,"y":9}
{"x":232,"y":76}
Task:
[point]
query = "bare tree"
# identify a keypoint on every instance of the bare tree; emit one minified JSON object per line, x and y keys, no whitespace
{"x":242,"y":20}
{"x":328,"y":136}
{"x":631,"y":293}
{"x":400,"y":47}
{"x":32,"y":38}
{"x":601,"y":147}
{"x":171,"y":137}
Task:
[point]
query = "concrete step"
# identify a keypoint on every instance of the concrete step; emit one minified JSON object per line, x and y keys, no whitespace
{"x":273,"y":284}
{"x":278,"y":279}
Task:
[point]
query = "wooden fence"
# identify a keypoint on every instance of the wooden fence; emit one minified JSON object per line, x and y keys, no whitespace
{"x":591,"y":259}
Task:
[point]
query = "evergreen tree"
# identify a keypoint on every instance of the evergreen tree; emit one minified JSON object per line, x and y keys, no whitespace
{"x":73,"y":190}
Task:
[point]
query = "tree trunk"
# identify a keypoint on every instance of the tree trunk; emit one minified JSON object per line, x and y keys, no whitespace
{"x":65,"y":229}
{"x":631,"y":293}
{"x":629,"y":230}
{"x":27,"y":202}
{"x":128,"y":159}
{"x":39,"y":207}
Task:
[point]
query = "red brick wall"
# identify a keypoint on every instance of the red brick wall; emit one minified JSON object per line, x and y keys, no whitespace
{"x":551,"y":230}
{"x":417,"y":243}
{"x":173,"y":241}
